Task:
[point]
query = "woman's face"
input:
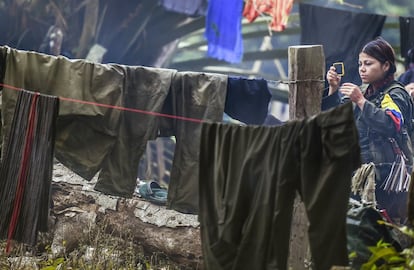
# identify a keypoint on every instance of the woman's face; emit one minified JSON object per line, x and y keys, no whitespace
{"x":370,"y":69}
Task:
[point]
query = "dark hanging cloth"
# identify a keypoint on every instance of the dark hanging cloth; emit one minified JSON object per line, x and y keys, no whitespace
{"x":247,"y":100}
{"x":26,"y":168}
{"x":187,"y":7}
{"x":249,"y":177}
{"x":406,"y":34}
{"x":341,"y":33}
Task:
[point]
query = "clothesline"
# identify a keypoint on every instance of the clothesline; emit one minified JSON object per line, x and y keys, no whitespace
{"x":195,"y":120}
{"x":292,"y":81}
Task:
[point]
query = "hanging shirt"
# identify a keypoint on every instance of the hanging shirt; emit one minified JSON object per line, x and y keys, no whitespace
{"x":247,"y":100}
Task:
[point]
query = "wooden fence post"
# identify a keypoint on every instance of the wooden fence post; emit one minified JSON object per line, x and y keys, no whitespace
{"x":306,"y":74}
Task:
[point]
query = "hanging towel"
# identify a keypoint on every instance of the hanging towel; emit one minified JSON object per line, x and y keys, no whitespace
{"x":223,"y":30}
{"x":26,"y":169}
{"x":247,"y":100}
{"x":279,"y":10}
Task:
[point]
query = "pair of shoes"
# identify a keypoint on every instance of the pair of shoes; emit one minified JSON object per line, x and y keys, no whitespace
{"x":153,"y":192}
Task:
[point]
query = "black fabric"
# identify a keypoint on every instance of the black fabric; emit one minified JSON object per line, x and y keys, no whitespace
{"x":249,"y":176}
{"x":406,"y":34}
{"x":407,"y":77}
{"x":342,"y":34}
{"x":247,"y":100}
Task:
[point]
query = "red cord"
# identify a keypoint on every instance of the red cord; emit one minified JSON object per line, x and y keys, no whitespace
{"x":195,"y":120}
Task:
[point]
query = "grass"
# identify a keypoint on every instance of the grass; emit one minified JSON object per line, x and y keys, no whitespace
{"x":94,"y":249}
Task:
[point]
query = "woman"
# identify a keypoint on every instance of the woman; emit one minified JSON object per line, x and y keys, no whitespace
{"x":383,"y":113}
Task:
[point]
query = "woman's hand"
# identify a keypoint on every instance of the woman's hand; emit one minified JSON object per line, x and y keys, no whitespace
{"x":333,"y":79}
{"x":354,"y":93}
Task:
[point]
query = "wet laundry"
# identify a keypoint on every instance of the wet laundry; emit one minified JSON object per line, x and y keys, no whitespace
{"x":25,"y":186}
{"x":249,"y":176}
{"x":91,"y":137}
{"x":247,"y":100}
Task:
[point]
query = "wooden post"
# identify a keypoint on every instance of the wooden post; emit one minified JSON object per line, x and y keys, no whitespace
{"x":306,"y":74}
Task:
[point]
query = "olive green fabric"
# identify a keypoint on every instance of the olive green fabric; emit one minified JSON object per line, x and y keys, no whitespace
{"x":146,"y":90}
{"x":91,"y":137}
{"x":197,"y":96}
{"x":249,"y":176}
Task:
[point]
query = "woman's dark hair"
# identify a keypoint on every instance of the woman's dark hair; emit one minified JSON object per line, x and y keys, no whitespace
{"x":409,"y":59}
{"x":381,"y":50}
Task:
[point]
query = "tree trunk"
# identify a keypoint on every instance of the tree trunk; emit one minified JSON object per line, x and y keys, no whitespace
{"x":77,"y":206}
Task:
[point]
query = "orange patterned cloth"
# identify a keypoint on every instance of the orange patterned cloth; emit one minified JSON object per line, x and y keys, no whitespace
{"x":279,"y":10}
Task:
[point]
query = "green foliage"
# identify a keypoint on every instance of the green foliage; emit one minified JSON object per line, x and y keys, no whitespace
{"x":386,"y":257}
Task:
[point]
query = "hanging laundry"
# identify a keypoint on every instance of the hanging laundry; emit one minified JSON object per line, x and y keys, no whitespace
{"x":89,"y":136}
{"x":26,"y":169}
{"x":200,"y":96}
{"x":109,"y":112}
{"x":249,"y":177}
{"x":145,"y":90}
{"x":341,"y":39}
{"x":406,"y":34}
{"x":247,"y":100}
{"x":223,"y":30}
{"x":279,"y":10}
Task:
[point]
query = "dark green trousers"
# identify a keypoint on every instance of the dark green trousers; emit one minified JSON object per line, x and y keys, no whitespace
{"x":249,"y":176}
{"x":197,"y":96}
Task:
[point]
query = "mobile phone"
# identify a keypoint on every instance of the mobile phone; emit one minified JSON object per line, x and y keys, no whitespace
{"x":339,"y":67}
